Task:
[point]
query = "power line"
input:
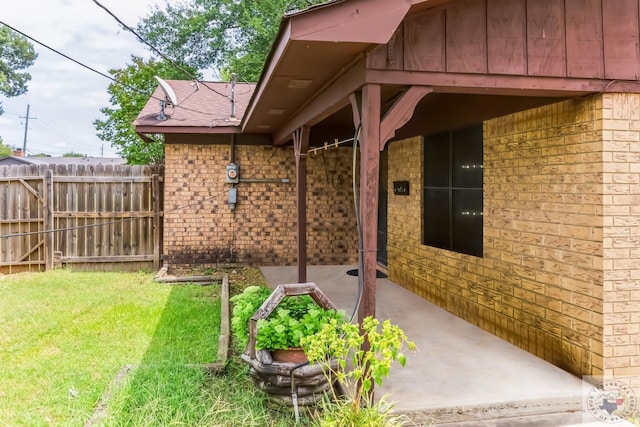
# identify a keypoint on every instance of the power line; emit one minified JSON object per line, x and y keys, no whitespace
{"x":106,"y":75}
{"x":119,"y":221}
{"x":153,"y":48}
{"x":141,"y":39}
{"x":115,"y":80}
{"x":73,"y":60}
{"x":126,"y":27}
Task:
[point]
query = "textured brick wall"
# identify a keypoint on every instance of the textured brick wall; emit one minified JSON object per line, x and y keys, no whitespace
{"x":621,"y":140}
{"x":539,"y":283}
{"x":201,"y":230}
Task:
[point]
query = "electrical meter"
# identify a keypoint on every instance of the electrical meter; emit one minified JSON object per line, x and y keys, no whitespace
{"x":233,"y":174}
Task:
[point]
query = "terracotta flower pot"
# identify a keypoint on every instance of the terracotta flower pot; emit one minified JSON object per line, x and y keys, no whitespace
{"x":290,"y":355}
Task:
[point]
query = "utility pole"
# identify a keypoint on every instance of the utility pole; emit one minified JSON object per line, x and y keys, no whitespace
{"x":26,"y":126}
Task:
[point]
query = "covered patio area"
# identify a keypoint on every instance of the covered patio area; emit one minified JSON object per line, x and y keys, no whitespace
{"x":496,"y":156}
{"x":461,"y":373}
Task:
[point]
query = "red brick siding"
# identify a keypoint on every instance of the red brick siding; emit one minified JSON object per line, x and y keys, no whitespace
{"x":201,"y":230}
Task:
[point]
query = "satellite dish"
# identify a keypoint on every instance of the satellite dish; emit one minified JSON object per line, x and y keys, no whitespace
{"x":169,"y":97}
{"x":168,"y":91}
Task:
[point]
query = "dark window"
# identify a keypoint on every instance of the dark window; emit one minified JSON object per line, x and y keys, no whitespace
{"x":453,"y":190}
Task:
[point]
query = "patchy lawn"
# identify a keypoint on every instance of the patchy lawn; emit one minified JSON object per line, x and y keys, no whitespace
{"x":64,"y":336}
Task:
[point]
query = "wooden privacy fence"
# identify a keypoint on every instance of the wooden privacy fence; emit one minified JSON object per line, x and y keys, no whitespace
{"x":95,"y":217}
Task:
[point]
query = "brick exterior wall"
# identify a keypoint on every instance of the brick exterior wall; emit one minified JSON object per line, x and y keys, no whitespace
{"x":200,"y":230}
{"x":560,"y":275}
{"x":621,"y":244}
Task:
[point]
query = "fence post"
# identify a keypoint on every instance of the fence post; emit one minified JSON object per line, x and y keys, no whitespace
{"x":157,"y":238}
{"x":48,"y":220}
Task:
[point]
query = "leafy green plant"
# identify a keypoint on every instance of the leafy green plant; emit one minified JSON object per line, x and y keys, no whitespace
{"x":293,"y":319}
{"x":245,"y":305}
{"x":369,"y":364}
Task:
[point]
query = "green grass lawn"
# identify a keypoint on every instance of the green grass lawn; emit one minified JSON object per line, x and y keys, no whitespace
{"x":64,"y":336}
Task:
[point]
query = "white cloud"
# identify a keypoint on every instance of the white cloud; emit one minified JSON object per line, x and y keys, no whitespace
{"x":64,"y":97}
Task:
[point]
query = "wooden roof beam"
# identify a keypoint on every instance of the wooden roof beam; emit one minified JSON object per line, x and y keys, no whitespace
{"x":301,"y":148}
{"x":401,"y":112}
{"x":369,"y":169}
{"x":494,"y":84}
{"x":328,"y":100}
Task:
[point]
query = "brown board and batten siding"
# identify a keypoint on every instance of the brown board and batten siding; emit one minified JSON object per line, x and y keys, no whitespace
{"x":542,"y":38}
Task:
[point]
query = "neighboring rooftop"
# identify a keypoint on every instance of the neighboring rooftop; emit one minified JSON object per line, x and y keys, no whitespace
{"x":19,"y":160}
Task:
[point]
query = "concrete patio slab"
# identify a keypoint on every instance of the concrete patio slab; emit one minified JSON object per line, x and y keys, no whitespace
{"x":461,"y":374}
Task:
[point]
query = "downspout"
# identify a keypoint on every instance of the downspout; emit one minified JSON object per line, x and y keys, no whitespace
{"x":232,"y":197}
{"x":232,"y":149}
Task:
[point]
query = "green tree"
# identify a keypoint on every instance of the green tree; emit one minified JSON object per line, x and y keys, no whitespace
{"x":72,"y":154}
{"x":128,"y":97}
{"x":224,"y":35}
{"x":230,"y":36}
{"x":16,"y":54}
{"x":5,"y":150}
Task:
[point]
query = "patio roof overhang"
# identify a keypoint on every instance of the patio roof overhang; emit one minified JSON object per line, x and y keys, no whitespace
{"x":327,"y":74}
{"x":332,"y":68}
{"x":319,"y":52}
{"x":323,"y":54}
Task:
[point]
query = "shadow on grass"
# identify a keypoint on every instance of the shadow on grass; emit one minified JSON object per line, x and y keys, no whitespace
{"x":167,"y":387}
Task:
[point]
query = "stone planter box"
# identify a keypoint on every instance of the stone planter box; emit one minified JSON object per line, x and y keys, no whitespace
{"x":286,"y":381}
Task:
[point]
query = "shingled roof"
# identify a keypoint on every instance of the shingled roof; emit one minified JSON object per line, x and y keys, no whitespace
{"x":204,"y":107}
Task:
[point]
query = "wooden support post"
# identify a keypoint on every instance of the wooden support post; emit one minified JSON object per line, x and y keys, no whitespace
{"x":157,"y":235}
{"x":369,"y":166}
{"x":301,"y":147}
{"x":49,"y":225}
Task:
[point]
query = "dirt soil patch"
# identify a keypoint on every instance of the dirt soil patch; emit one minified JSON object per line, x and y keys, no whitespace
{"x":239,"y":276}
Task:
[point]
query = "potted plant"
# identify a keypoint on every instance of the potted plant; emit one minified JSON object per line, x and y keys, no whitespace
{"x":294,"y":318}
{"x":286,"y":315}
{"x":280,"y":331}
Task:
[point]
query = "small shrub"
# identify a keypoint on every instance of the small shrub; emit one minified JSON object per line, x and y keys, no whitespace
{"x":244,"y":306}
{"x":294,"y":318}
{"x":343,"y":342}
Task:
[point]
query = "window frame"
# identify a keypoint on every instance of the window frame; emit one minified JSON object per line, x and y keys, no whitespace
{"x":447,"y":233}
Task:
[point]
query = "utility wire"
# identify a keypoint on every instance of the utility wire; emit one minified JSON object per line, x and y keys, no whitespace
{"x":116,"y":80}
{"x":154,"y":49}
{"x":178,"y":208}
{"x":118,"y":221}
{"x":141,"y":39}
{"x":72,"y":59}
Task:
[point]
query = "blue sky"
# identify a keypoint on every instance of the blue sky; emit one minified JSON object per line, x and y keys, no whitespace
{"x":65,"y":98}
